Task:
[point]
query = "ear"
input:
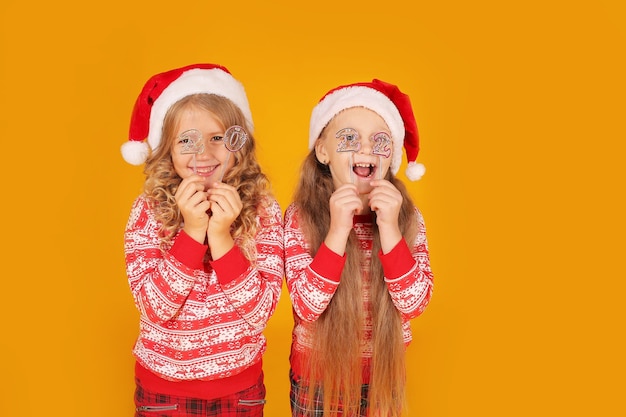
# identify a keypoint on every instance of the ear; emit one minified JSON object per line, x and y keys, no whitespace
{"x":320,"y":151}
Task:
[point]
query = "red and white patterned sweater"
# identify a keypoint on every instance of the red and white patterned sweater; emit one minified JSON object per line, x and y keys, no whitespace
{"x":312,"y":282}
{"x":201,"y":319}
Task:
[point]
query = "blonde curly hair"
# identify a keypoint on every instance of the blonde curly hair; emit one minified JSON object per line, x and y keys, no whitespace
{"x":246,"y":175}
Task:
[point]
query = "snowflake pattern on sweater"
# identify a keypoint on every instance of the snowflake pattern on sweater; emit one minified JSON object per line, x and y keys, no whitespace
{"x":201,"y":319}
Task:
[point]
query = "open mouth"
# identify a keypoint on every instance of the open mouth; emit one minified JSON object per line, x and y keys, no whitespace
{"x":364,"y":170}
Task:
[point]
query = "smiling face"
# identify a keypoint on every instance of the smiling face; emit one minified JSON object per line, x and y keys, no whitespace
{"x":356,"y":145}
{"x":212,"y":153}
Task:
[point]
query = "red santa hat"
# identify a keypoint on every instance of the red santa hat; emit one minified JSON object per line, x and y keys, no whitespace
{"x":162,"y":90}
{"x":389,"y":103}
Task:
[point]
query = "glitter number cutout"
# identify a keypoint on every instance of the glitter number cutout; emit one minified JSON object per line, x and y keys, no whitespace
{"x":382,"y":144}
{"x":234,"y":139}
{"x":350,"y":141}
{"x":193,"y":144}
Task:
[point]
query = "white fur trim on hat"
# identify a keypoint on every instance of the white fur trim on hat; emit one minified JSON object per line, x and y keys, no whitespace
{"x":359,"y":96}
{"x":195,"y":81}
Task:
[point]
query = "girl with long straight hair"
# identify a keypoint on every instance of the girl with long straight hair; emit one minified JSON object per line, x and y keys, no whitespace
{"x":356,"y":256}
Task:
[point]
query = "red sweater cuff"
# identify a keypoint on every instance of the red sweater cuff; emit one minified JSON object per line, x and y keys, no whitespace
{"x":398,"y":261}
{"x":327,"y":263}
{"x":188,"y":251}
{"x":230,"y":266}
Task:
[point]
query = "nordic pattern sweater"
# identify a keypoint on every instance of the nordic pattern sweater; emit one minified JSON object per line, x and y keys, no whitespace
{"x":201,"y":319}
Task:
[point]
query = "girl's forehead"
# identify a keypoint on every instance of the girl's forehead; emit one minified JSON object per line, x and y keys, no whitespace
{"x":359,"y":118}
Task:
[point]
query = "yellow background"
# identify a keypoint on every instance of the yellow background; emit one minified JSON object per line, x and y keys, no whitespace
{"x":520,"y":107}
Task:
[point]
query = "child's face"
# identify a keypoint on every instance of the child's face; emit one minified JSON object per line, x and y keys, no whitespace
{"x":357,"y":145}
{"x":213,"y":153}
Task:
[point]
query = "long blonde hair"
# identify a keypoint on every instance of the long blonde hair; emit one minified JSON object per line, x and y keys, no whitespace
{"x":246,"y":175}
{"x":335,"y":366}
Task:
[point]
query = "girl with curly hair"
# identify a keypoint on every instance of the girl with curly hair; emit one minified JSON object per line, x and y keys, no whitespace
{"x":203,"y":247}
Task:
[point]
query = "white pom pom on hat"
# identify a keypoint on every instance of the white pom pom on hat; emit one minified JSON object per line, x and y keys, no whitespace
{"x":162,"y":90}
{"x":135,"y":152}
{"x":389,"y":103}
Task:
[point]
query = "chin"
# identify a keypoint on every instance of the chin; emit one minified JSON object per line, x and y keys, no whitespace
{"x":364,"y":187}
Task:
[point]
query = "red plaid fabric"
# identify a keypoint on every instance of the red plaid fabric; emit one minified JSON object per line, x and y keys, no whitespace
{"x":247,"y":403}
{"x":300,"y":407}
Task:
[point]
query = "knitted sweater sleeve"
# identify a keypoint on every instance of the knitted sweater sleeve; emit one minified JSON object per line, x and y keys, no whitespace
{"x":159,"y":281}
{"x":253,"y":289}
{"x":408,"y":274}
{"x":311,"y":282}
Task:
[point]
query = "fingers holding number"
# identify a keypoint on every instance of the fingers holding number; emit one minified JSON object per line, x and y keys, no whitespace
{"x":226,"y":205}
{"x":192,"y":201}
{"x":386,"y":201}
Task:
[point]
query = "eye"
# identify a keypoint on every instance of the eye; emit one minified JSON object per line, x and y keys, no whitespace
{"x":349,"y":140}
{"x":217,"y":138}
{"x":382,"y":144}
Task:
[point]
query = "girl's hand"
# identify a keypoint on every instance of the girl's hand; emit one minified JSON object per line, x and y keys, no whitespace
{"x":192,"y":201}
{"x":345,"y":202}
{"x":226,"y":206}
{"x":386,"y":201}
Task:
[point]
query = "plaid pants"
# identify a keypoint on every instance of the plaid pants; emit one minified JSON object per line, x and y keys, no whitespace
{"x":300,"y":406}
{"x":246,"y":403}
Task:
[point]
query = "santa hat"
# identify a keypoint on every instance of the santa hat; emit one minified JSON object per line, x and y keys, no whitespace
{"x":389,"y":103}
{"x":162,"y":90}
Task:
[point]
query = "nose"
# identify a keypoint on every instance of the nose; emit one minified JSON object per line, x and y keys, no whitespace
{"x":366,"y":147}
